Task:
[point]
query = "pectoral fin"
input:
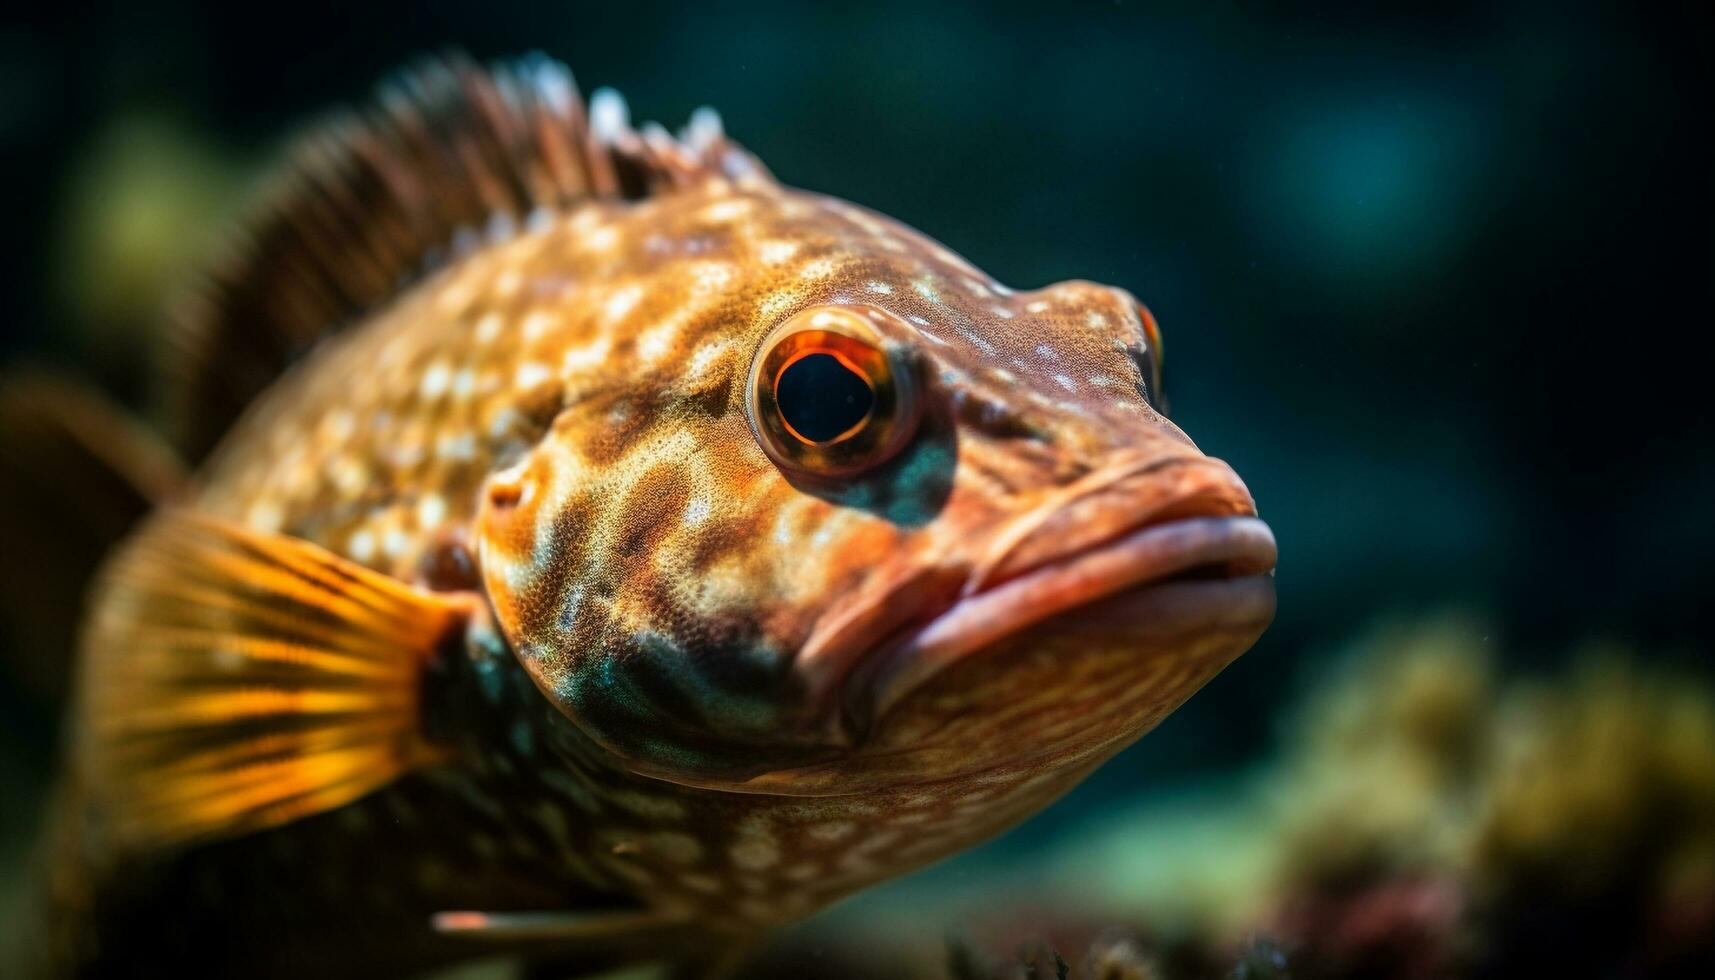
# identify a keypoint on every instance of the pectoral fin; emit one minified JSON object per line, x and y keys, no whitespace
{"x":234,"y":680}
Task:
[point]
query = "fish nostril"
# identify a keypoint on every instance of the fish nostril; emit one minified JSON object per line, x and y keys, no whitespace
{"x":505,"y":496}
{"x":1002,"y":421}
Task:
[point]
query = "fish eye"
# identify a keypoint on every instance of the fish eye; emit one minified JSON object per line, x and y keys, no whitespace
{"x":1149,"y":360}
{"x":827,"y":398}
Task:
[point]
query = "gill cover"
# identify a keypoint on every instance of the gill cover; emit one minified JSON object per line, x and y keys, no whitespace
{"x":612,"y":598}
{"x":602,"y":631}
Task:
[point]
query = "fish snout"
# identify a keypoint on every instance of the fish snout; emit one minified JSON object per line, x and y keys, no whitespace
{"x":1108,"y":504}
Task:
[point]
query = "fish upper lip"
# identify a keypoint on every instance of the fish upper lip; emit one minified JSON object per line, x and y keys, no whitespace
{"x":861,"y":655}
{"x":1201,"y":487}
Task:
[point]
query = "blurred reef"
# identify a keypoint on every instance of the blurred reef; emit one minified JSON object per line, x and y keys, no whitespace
{"x":1426,"y":815}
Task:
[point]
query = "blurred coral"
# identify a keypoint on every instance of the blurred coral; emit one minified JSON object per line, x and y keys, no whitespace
{"x":1437,"y":820}
{"x":144,"y":202}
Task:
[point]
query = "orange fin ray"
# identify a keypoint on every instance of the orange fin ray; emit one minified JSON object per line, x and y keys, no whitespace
{"x":235,"y":680}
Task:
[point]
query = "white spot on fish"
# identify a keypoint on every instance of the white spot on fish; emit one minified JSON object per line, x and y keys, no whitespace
{"x":982,"y":345}
{"x":754,"y":853}
{"x":657,"y":342}
{"x":455,"y":297}
{"x":726,"y":210}
{"x":591,"y":355}
{"x":802,"y":872}
{"x":775,"y":251}
{"x":711,"y":277}
{"x":464,"y":382}
{"x":349,"y":477}
{"x":697,"y":511}
{"x":818,"y":269}
{"x":775,"y":304}
{"x":602,"y":239}
{"x":435,"y":380}
{"x":539,"y":323}
{"x":488,"y":328}
{"x":706,"y":356}
{"x":265,"y":515}
{"x":461,"y":447}
{"x":621,"y":302}
{"x":880,"y":287}
{"x":431,"y":510}
{"x":833,"y":830}
{"x":530,"y":374}
{"x":361,"y":547}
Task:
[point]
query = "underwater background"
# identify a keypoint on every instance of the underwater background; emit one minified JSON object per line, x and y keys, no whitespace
{"x":1437,"y":279}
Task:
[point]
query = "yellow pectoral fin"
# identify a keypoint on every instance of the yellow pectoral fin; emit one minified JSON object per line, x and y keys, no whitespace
{"x":234,"y":680}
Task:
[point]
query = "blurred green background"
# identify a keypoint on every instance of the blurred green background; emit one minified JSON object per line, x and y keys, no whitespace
{"x":1436,"y":278}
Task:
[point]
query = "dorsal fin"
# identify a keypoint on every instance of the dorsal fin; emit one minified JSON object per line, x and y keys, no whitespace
{"x":369,"y":201}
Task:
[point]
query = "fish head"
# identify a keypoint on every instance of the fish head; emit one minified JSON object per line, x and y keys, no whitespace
{"x":865,"y":517}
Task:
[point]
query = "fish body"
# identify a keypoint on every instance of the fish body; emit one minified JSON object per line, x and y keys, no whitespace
{"x":682,"y":556}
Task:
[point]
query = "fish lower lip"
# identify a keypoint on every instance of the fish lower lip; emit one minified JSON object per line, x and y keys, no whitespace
{"x":1155,"y":558}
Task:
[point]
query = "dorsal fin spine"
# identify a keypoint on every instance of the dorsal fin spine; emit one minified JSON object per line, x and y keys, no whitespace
{"x":367,"y":199}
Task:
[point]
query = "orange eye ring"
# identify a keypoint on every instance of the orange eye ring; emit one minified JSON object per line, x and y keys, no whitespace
{"x":827,"y":396}
{"x":1152,"y":360}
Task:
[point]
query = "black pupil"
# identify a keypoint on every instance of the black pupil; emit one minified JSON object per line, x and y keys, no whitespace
{"x":821,"y":398}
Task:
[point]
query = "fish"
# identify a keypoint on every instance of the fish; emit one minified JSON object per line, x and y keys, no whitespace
{"x":592,"y":550}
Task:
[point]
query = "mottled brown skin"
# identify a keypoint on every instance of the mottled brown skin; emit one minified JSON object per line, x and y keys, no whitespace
{"x":558,"y":423}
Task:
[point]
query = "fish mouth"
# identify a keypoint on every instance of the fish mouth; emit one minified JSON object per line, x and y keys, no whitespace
{"x":1197,"y":561}
{"x":1174,"y":575}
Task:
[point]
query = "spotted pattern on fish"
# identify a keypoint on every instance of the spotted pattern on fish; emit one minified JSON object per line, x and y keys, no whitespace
{"x":666,"y":698}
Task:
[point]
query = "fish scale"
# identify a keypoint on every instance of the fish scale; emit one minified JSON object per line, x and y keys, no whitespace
{"x":521,"y":617}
